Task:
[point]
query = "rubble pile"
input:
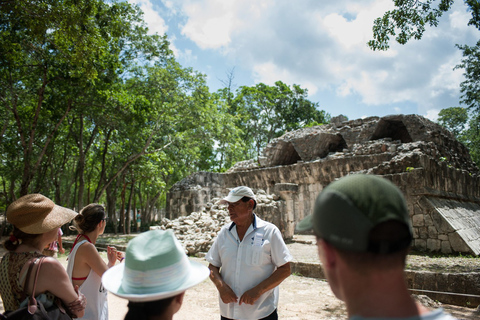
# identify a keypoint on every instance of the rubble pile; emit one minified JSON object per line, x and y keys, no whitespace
{"x":198,"y":230}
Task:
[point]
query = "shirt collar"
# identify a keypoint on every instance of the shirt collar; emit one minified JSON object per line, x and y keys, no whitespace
{"x":254,"y":223}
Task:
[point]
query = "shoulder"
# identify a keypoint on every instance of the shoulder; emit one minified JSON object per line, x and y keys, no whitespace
{"x":226,"y":228}
{"x":86,"y":247}
{"x":51,"y":266}
{"x":268,"y":226}
{"x":86,"y":251}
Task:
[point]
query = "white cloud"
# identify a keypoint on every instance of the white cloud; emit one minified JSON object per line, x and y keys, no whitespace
{"x":269,"y":73}
{"x":156,"y":24}
{"x":322,"y":47}
{"x":432,"y":114}
{"x":209,"y":23}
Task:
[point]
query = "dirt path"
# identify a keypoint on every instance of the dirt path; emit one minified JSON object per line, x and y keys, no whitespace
{"x":301,"y":298}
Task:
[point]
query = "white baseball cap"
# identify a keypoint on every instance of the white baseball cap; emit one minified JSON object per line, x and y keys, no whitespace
{"x":238,"y":193}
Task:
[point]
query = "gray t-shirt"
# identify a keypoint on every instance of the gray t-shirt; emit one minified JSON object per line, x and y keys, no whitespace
{"x":437,"y":314}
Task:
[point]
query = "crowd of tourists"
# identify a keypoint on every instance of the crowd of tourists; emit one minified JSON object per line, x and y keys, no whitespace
{"x":363,"y":233}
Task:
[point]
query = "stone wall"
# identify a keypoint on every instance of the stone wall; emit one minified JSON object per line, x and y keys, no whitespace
{"x":434,"y":171}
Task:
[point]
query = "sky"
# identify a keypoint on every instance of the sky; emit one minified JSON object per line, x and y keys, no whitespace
{"x":320,"y":46}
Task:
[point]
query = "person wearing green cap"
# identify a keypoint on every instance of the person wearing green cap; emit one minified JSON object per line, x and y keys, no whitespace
{"x":363,"y":234}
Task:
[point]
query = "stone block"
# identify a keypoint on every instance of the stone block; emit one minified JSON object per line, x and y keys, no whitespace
{"x":417,"y":209}
{"x":434,"y":245}
{"x":457,"y":243}
{"x":423,"y":233}
{"x":428,"y":220}
{"x":417,"y":220}
{"x":432,"y":232}
{"x":443,"y":237}
{"x":420,"y":244}
{"x":415,"y":233}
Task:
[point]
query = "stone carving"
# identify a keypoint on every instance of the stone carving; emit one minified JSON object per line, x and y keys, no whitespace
{"x":435,"y":172}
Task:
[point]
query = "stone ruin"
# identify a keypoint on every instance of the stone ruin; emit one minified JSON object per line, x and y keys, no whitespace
{"x":198,"y":230}
{"x":434,"y":171}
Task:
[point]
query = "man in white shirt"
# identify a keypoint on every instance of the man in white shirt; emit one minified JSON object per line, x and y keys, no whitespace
{"x":363,"y":234}
{"x":248,"y":260}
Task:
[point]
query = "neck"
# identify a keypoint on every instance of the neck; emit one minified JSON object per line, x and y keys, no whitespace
{"x":243,"y":227}
{"x":36,"y":246}
{"x":92,"y":236}
{"x":245,"y":223}
{"x":380,"y":295}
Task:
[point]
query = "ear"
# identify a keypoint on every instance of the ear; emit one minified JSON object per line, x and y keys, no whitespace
{"x":327,"y":254}
{"x":179,"y":298}
{"x":177,"y":302}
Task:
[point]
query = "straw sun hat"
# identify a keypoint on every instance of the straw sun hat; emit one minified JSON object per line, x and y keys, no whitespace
{"x":36,"y":214}
{"x":156,"y":267}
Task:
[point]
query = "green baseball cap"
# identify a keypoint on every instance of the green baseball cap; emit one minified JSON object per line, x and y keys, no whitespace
{"x":348,"y":209}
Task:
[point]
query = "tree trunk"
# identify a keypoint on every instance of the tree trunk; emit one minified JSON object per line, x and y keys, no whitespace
{"x":111,"y":204}
{"x":129,"y":206}
{"x":122,"y":210}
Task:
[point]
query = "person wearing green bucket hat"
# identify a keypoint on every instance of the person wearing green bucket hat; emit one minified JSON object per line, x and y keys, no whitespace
{"x":154,"y":276}
{"x":363,"y":234}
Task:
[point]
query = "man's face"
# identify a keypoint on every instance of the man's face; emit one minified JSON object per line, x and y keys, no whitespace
{"x":240,"y":212}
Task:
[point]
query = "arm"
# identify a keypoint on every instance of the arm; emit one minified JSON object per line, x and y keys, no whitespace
{"x":226,"y":293}
{"x":88,"y":258}
{"x":60,"y":246}
{"x":54,"y":279}
{"x":252,"y":295}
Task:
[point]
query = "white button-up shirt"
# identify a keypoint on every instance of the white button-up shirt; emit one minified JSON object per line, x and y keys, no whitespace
{"x":244,"y":264}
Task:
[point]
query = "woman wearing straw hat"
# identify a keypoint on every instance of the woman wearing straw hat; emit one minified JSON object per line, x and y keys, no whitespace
{"x":85,"y":265}
{"x":155,"y":276}
{"x":36,"y":220}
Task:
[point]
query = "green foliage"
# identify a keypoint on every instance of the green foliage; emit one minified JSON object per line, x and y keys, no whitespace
{"x":98,"y":110}
{"x":408,"y":20}
{"x":454,"y":119}
{"x":465,"y":127}
{"x":266,"y":112}
{"x":470,"y":87}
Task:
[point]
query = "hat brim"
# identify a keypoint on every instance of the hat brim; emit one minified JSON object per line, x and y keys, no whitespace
{"x":54,"y":219}
{"x":306,"y":224}
{"x":112,"y":281}
{"x":230,"y":199}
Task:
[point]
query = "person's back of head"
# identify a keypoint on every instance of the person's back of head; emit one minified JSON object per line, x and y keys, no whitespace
{"x":362,"y":216}
{"x":149,"y":310}
{"x":89,"y":217}
{"x":363,"y":234}
{"x":154,"y":276}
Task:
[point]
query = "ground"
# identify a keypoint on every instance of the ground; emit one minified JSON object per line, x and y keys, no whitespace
{"x":301,"y":298}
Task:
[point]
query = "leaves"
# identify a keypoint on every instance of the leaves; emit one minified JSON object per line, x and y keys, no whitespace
{"x":407,"y":21}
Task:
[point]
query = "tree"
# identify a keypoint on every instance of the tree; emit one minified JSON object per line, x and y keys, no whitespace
{"x":265,"y":112}
{"x":466,"y":130}
{"x":408,"y":20}
{"x":454,"y":119}
{"x":47,"y":62}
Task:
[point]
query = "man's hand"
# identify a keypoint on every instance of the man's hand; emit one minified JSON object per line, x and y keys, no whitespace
{"x":227,"y":295}
{"x":250,"y":296}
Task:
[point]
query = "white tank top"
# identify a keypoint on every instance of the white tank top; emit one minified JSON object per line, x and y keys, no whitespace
{"x":92,"y":288}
